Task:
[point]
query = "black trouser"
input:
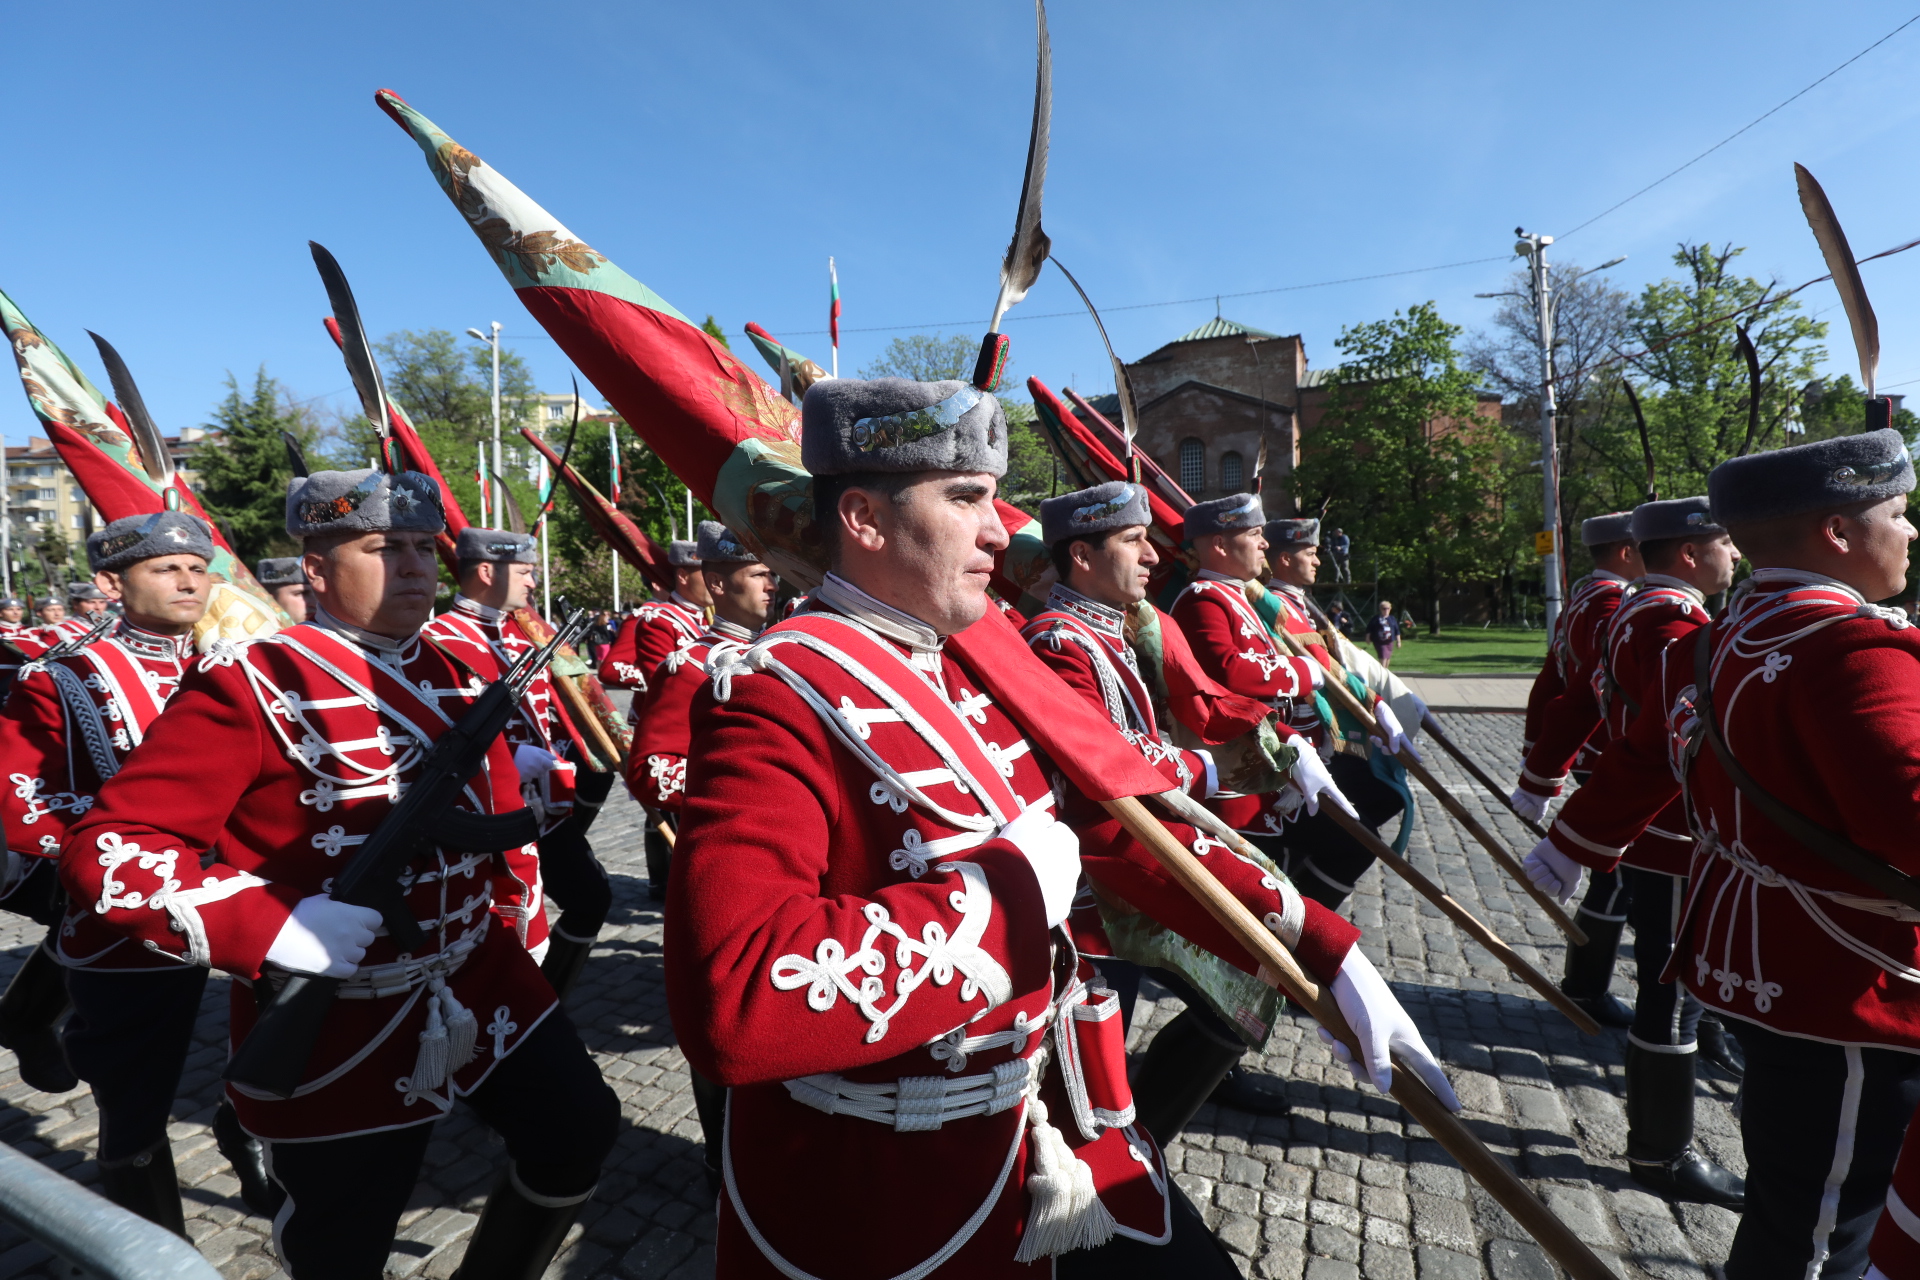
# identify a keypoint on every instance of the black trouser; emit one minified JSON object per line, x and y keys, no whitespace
{"x":1192,"y":1254}
{"x":128,"y":1038}
{"x":1822,"y":1126}
{"x":1123,"y":978}
{"x":1607,"y":897}
{"x":1666,"y":1017}
{"x":573,"y":877}
{"x":345,"y":1195}
{"x":1323,"y":861}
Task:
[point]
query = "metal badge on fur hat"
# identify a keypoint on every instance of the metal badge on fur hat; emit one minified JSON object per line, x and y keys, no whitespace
{"x":363,"y":501}
{"x":1673,"y":518}
{"x":1225,"y":515}
{"x":683,"y":554}
{"x":719,"y":546}
{"x":134,"y":538}
{"x":1811,"y":477}
{"x":1101,"y":509}
{"x":1284,"y":535}
{"x":280,"y":571}
{"x":1600,"y":530}
{"x":498,"y":546}
{"x":898,"y":425}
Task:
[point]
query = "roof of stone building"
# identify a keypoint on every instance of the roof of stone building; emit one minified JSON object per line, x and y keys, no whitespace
{"x":1222,"y":328}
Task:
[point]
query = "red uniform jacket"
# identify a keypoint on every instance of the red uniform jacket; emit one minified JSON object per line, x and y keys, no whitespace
{"x":69,"y":725}
{"x":657,"y":765}
{"x":1818,"y":695}
{"x":1563,"y":714}
{"x":280,"y":755}
{"x":655,"y":630}
{"x":1896,"y":1240}
{"x":1663,"y":612}
{"x":857,"y":954}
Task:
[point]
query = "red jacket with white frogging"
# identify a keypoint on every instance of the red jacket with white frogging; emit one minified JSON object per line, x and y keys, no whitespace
{"x":656,"y":629}
{"x":663,"y":737}
{"x":1818,"y":696}
{"x":847,"y":928}
{"x":281,"y":755}
{"x":1563,"y":729}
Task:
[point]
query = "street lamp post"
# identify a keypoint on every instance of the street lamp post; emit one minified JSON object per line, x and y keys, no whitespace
{"x":492,"y":339}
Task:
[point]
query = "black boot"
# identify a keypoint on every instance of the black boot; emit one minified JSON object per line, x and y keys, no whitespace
{"x":1253,"y":1092}
{"x":1660,"y":1153}
{"x":1183,"y":1066}
{"x":145,"y":1184}
{"x":519,"y":1232}
{"x":1721,"y":1049}
{"x":590,"y":792}
{"x":659,"y":859}
{"x":1590,"y":970}
{"x":565,"y":958}
{"x":710,"y":1102}
{"x":248,"y":1156}
{"x":33,"y":1002}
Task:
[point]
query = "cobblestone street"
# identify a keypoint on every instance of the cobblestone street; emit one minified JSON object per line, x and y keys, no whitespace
{"x":1340,"y":1188}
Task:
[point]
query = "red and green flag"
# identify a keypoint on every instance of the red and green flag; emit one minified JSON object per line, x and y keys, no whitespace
{"x":833,"y":314}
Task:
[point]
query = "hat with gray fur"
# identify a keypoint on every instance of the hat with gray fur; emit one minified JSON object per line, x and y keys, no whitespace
{"x":897,"y":425}
{"x":719,"y":546}
{"x":1086,"y":512}
{"x":1230,"y":514}
{"x":495,"y":546}
{"x":134,"y":538}
{"x":280,"y":571}
{"x":682,"y":554}
{"x":363,"y":501}
{"x":1673,"y":518}
{"x":1285,"y":535}
{"x":1809,"y":477}
{"x":85,"y":591}
{"x":1600,"y":530}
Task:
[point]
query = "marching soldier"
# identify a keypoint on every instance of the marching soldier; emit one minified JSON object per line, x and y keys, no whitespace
{"x":51,"y":613}
{"x":286,"y":582}
{"x":1098,"y":541}
{"x":1563,"y":737}
{"x":18,"y":641}
{"x":1791,"y":727}
{"x":214,"y":847}
{"x":658,"y":628}
{"x":862,"y":942}
{"x":497,"y":577}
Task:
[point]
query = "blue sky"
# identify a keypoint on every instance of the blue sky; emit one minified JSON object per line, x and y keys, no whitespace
{"x":167,"y":164}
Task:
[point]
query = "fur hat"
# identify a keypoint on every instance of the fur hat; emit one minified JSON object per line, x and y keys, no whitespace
{"x":12,"y":602}
{"x":131,"y":539}
{"x":1673,"y":518}
{"x":1230,"y":514}
{"x":280,"y":571}
{"x":84,"y":591}
{"x":363,"y":501}
{"x":1808,"y":477}
{"x":897,"y":425}
{"x":1101,"y":509}
{"x":497,"y":546}
{"x":1600,"y":530}
{"x":682,"y":554}
{"x":719,"y":546}
{"x":1284,"y":535}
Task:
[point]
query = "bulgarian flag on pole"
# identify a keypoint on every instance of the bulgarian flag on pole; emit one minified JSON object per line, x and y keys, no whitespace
{"x":833,"y":314}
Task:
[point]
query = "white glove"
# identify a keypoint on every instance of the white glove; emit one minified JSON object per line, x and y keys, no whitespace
{"x":1053,"y":851}
{"x":1317,"y":674}
{"x":533,"y":762}
{"x":1311,"y":777}
{"x":1553,"y":872}
{"x":1395,"y":737}
{"x":324,"y":937}
{"x":1528,"y":805}
{"x":1381,"y":1026}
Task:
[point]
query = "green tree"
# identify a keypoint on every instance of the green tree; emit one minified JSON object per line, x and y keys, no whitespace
{"x":712,"y":329}
{"x":241,"y":471}
{"x":1406,"y":458}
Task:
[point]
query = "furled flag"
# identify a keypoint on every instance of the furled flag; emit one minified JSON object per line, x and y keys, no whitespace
{"x":480,"y":478}
{"x":613,"y":461}
{"x":833,"y":314}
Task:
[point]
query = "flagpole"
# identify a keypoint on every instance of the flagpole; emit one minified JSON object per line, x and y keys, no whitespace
{"x":613,"y":472}
{"x":546,"y":568}
{"x":833,"y":313}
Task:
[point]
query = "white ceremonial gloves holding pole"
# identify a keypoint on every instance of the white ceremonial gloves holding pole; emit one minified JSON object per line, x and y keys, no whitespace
{"x":1553,"y":872}
{"x":1312,"y":778}
{"x":1053,"y":851}
{"x":324,"y":937}
{"x":1528,"y":805}
{"x":1395,"y":738}
{"x":1381,"y":1025}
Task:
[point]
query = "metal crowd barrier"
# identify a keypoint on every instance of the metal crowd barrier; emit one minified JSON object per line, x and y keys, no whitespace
{"x":89,"y":1230}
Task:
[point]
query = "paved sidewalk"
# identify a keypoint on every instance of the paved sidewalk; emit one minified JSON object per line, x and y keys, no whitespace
{"x":1342,"y":1188}
{"x":1472,"y":693}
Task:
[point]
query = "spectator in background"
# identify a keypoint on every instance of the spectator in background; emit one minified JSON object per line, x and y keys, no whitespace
{"x":1340,"y":546}
{"x":601,"y":635}
{"x":1342,"y":621}
{"x":1384,"y":633}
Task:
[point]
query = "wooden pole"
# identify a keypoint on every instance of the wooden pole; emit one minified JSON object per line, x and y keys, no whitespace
{"x":1336,"y":688}
{"x":584,"y":718}
{"x":1280,"y":969}
{"x":1190,"y":810}
{"x":1467,"y":762}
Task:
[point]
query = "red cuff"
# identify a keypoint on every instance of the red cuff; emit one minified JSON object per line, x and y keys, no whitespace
{"x":1325,"y":938}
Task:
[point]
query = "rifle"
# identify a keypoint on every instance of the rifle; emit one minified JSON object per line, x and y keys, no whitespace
{"x":74,"y":644}
{"x":274,"y":1055}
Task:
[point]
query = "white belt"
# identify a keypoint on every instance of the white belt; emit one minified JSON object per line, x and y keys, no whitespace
{"x":917,"y":1104}
{"x":1772,"y":879}
{"x":378,"y":981}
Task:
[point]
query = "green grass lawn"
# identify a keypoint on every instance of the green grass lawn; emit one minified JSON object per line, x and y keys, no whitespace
{"x":1469,"y":651}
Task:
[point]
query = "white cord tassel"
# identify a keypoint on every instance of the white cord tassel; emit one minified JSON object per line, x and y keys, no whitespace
{"x":430,"y":1067}
{"x":1067,"y":1213}
{"x":463,"y":1030}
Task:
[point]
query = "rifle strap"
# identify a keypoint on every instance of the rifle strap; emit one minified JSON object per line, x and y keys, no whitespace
{"x":1830,"y":846}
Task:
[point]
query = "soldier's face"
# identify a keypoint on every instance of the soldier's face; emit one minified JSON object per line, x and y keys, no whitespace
{"x":1882,"y":537}
{"x":743,"y":593}
{"x":929,"y":551}
{"x":13,"y":613}
{"x":91,"y":606}
{"x":692,"y":585}
{"x":380,"y":582}
{"x":1115,"y":573}
{"x":292,"y":598}
{"x":1297,"y":567}
{"x":167,"y":594}
{"x":52,"y":612}
{"x":1236,"y":554}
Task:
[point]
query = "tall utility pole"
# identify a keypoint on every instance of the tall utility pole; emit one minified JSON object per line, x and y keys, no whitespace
{"x":6,"y":523}
{"x":492,"y":338}
{"x":1534,"y":249}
